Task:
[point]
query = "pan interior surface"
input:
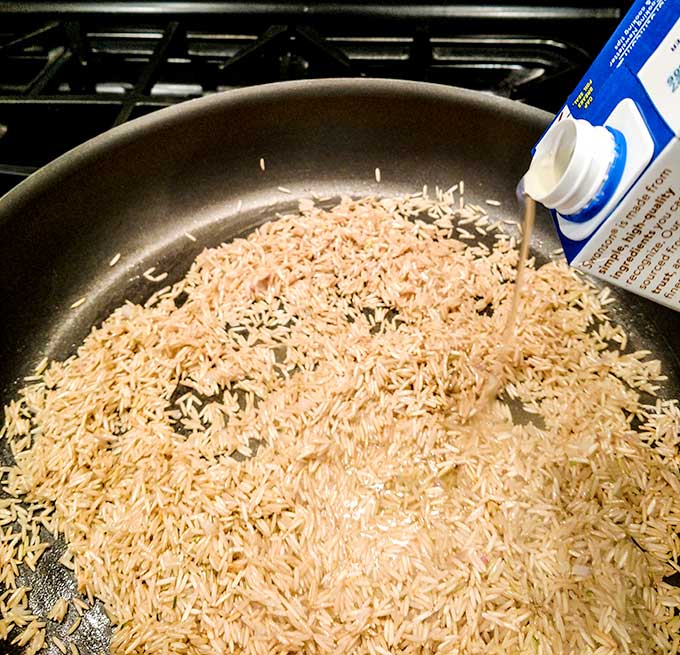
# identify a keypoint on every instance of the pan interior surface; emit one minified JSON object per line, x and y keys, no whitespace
{"x":159,"y":190}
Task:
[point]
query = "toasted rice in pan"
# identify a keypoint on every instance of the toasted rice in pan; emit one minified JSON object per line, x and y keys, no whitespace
{"x":279,"y":454}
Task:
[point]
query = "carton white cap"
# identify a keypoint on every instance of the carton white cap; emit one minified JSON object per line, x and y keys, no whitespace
{"x":571,"y":165}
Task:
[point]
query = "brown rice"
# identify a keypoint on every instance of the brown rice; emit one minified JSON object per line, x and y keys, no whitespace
{"x":345,"y":348}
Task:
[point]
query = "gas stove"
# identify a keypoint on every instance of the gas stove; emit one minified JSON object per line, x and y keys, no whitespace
{"x":69,"y":71}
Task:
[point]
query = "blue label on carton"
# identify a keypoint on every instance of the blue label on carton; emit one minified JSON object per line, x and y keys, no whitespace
{"x":634,"y":86}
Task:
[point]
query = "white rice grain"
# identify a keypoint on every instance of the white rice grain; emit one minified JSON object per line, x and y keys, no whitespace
{"x":148,"y":274}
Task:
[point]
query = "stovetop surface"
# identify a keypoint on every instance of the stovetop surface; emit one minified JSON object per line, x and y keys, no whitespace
{"x":69,"y":71}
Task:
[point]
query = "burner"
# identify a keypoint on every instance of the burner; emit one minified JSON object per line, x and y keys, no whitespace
{"x":70,"y":71}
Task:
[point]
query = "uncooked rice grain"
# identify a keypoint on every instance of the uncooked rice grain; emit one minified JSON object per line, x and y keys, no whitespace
{"x":80,"y":605}
{"x":284,"y":462}
{"x":148,"y":274}
{"x":74,"y":626}
{"x":58,"y":611}
{"x":41,"y":366}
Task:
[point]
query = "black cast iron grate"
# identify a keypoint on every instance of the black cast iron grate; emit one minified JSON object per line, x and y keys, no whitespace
{"x":69,"y":71}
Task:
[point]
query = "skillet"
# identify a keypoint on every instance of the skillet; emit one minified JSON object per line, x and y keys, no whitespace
{"x":195,"y":167}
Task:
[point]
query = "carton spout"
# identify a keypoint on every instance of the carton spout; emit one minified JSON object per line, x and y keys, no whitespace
{"x":571,"y":166}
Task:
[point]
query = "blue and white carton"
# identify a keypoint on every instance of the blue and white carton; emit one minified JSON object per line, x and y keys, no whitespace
{"x":608,"y":166}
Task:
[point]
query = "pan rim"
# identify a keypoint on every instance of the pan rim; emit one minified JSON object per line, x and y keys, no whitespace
{"x":164,"y":118}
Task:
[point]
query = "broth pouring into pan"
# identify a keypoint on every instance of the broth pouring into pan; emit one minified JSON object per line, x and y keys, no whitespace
{"x":492,"y":385}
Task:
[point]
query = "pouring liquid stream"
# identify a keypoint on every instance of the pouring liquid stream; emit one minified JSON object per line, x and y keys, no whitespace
{"x":493,"y":383}
{"x":527,"y":230}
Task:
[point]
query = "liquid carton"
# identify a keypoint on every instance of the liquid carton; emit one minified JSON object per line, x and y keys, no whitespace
{"x":608,"y":166}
